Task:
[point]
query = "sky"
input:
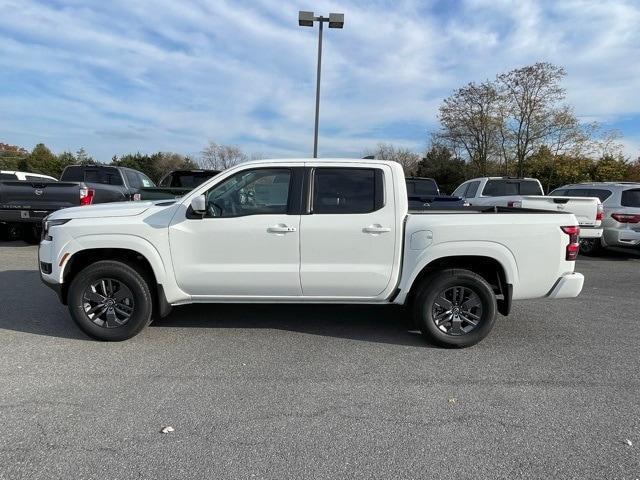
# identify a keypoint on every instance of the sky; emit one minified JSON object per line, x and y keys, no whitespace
{"x":122,"y":76}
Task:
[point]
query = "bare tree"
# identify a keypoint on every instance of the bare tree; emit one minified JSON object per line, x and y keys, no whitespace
{"x":405,"y":157}
{"x":470,"y":123}
{"x":530,"y":99}
{"x":221,"y":157}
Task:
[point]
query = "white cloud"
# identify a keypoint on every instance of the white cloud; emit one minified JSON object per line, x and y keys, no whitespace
{"x":119,"y":76}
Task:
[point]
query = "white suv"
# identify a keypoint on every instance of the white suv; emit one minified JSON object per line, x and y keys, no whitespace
{"x":621,"y":222}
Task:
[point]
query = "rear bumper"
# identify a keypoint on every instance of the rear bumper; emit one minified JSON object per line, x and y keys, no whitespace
{"x":590,"y":232}
{"x":568,"y":285}
{"x":621,"y":237}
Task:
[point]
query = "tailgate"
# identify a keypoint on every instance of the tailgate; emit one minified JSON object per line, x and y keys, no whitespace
{"x":584,"y":208}
{"x":18,"y":195}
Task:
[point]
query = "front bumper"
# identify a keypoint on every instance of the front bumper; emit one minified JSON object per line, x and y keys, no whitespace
{"x":49,"y":269}
{"x":568,"y":285}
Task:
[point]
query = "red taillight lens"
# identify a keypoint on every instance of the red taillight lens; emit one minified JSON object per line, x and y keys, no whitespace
{"x":86,"y":196}
{"x":572,"y":251}
{"x":600,"y":214}
{"x":625,"y":218}
{"x":574,"y":247}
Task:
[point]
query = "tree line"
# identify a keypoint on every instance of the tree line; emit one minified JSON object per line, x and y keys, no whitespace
{"x":42,"y":160}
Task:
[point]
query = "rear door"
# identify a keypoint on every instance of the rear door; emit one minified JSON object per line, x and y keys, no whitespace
{"x":347,"y":238}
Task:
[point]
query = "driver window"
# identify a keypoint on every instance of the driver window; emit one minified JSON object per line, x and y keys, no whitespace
{"x":263,"y":191}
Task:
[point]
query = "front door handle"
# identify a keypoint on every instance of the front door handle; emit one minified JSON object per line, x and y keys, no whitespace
{"x":377,"y":228}
{"x":281,"y":228}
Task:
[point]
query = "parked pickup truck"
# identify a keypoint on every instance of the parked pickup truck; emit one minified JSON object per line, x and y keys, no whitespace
{"x":424,"y":192}
{"x":528,"y":193}
{"x":23,"y":204}
{"x":310,"y":231}
{"x":176,"y":184}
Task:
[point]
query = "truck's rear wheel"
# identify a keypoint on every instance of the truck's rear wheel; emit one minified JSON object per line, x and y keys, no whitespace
{"x":110,"y":301}
{"x":591,"y":247}
{"x":455,"y":308}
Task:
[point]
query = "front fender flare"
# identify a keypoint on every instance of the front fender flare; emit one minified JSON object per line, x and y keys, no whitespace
{"x":125,"y":242}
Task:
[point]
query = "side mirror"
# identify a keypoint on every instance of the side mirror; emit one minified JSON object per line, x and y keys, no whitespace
{"x":199,"y":204}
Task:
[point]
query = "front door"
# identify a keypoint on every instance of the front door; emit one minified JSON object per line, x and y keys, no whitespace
{"x":247,"y":243}
{"x":347,"y":241}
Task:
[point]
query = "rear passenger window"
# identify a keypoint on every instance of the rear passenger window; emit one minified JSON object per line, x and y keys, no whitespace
{"x":347,"y":190}
{"x":631,"y":198}
{"x":8,"y":176}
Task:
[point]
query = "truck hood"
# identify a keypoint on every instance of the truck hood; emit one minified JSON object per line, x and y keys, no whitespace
{"x":103,"y":210}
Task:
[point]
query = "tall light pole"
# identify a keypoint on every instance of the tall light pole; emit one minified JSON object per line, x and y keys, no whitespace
{"x":306,"y":19}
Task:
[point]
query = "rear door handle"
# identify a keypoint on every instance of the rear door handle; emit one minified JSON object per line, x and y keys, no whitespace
{"x":281,"y":228}
{"x":376,"y":229}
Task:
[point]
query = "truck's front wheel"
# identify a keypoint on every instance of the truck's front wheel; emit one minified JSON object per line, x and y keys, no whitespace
{"x":455,"y":308}
{"x":110,"y":301}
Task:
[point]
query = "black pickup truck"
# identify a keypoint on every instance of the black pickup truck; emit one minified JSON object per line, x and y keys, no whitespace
{"x":425,"y":193}
{"x":23,"y":204}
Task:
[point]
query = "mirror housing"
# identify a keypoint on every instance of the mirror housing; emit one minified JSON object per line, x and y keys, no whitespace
{"x":199,"y":204}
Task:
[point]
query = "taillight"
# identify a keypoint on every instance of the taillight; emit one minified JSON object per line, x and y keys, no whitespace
{"x":573,"y":247}
{"x":600,"y":214}
{"x":86,"y":196}
{"x":625,"y":217}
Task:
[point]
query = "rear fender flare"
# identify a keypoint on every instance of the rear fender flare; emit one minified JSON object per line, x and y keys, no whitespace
{"x":421,"y":259}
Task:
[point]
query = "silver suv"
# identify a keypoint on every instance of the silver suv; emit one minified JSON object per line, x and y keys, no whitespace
{"x":621,"y":222}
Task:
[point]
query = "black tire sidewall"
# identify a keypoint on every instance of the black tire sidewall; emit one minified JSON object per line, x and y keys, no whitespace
{"x":429,"y":290}
{"x":143,"y":302}
{"x":595,"y":249}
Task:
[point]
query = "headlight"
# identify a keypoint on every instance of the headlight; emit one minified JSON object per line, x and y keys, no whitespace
{"x":47,"y":224}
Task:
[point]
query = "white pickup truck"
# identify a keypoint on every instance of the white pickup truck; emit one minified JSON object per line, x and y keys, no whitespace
{"x":312,"y":231}
{"x":528,"y":193}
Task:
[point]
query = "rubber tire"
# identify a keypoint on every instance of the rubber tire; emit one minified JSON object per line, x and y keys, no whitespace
{"x":431,"y":286}
{"x":597,"y":249}
{"x":142,"y":298}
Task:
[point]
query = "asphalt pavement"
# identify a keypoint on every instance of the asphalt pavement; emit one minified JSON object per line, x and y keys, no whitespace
{"x":296,"y":392}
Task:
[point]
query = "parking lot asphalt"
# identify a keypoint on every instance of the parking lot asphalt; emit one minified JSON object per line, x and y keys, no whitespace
{"x":282,"y":391}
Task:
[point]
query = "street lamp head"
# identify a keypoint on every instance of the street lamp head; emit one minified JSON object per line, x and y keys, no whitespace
{"x":336,"y":20}
{"x":305,"y":19}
